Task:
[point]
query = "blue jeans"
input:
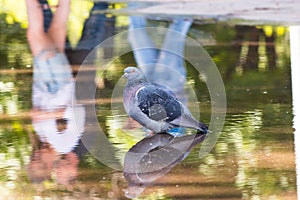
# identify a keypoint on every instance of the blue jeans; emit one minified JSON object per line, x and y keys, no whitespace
{"x":51,"y":74}
{"x":165,"y":64}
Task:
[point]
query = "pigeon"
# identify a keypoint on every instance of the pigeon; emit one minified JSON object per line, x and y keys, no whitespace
{"x":155,"y":106}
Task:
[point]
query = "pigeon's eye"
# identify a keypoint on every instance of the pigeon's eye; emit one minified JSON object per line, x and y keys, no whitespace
{"x":132,"y":71}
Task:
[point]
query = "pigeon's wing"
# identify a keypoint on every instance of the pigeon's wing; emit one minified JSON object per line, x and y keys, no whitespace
{"x":153,"y":125}
{"x":158,"y":104}
{"x":166,"y":89}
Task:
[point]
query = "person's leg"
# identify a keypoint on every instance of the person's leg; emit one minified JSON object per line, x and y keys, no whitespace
{"x":38,"y":40}
{"x":144,"y":50}
{"x":172,"y":53}
{"x":47,"y":14}
{"x":93,"y":32}
{"x":58,"y":27}
{"x":96,"y":29}
{"x":170,"y":64}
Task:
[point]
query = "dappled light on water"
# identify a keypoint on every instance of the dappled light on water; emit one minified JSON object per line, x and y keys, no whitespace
{"x":254,"y":154}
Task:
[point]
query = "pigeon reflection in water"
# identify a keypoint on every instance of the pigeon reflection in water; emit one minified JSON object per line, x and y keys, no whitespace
{"x":153,"y":157}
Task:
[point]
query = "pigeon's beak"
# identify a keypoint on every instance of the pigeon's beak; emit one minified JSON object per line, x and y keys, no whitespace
{"x":125,"y":75}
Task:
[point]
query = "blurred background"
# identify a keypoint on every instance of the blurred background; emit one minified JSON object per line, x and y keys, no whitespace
{"x":253,"y":158}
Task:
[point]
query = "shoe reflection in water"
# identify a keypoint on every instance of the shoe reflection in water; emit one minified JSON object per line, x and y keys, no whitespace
{"x":57,"y":120}
{"x":153,"y":157}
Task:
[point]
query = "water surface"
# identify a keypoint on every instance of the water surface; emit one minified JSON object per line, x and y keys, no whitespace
{"x":253,"y":157}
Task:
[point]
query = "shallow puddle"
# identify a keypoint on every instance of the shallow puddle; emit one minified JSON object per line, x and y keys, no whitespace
{"x":253,"y":157}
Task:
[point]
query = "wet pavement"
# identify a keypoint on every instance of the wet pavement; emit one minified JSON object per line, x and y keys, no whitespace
{"x":285,"y":12}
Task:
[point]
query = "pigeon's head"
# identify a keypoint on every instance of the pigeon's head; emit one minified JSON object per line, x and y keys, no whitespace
{"x":133,"y":74}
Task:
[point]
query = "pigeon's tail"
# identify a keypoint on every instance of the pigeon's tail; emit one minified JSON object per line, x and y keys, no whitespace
{"x":188,"y":121}
{"x":202,"y":128}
